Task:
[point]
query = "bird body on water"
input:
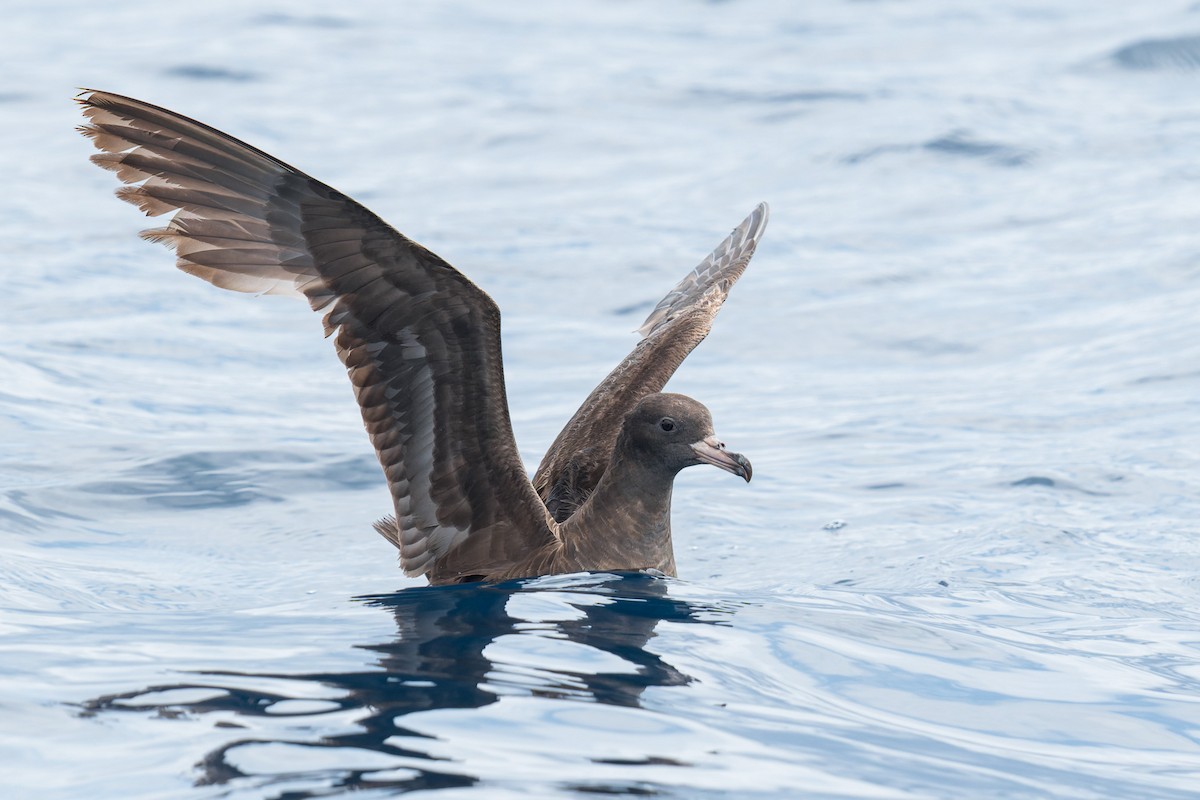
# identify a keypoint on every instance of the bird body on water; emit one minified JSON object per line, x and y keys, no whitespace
{"x":421,"y":345}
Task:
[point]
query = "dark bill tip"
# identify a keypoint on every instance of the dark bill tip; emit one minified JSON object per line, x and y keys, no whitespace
{"x":712,"y":451}
{"x":746,"y":470}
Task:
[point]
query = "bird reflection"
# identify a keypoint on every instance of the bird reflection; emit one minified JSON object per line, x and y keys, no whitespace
{"x":437,"y":660}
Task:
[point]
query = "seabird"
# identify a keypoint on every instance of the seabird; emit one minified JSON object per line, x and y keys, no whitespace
{"x":421,"y":344}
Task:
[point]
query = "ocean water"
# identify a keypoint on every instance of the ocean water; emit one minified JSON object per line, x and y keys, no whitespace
{"x":965,"y":363}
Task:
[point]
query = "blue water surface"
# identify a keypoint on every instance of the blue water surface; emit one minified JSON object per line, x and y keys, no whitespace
{"x":965,"y":363}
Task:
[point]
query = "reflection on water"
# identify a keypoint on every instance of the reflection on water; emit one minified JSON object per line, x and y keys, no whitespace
{"x":438,"y":659}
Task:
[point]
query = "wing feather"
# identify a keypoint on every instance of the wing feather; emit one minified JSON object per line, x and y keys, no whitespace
{"x":580,"y":454}
{"x":420,"y":342}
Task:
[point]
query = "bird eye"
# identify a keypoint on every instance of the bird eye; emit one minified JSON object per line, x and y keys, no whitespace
{"x":667,"y":424}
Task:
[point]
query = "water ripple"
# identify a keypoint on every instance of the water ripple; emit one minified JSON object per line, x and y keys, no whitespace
{"x":1180,"y":54}
{"x":674,"y":682}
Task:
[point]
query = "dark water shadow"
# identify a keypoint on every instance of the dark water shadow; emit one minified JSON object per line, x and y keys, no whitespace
{"x":1179,"y":54}
{"x":1056,"y":483}
{"x":327,"y":21}
{"x":437,"y":660}
{"x":227,"y":478}
{"x":209,"y":72}
{"x":956,"y":144}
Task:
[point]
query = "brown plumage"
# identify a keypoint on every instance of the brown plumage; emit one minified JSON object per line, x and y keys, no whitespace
{"x":421,"y":344}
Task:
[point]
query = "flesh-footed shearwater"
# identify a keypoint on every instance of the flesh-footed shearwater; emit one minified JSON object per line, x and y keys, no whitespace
{"x":421,"y":344}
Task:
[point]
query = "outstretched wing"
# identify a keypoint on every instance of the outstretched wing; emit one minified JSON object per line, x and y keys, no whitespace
{"x":572,"y":467}
{"x":421,"y":343}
